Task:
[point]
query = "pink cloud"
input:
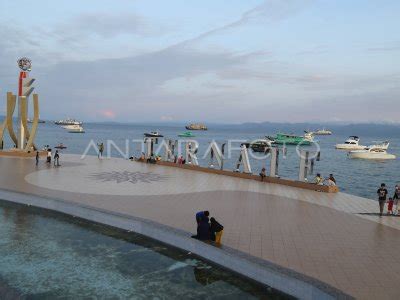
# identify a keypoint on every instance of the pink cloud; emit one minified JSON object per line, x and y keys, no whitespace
{"x":108,"y":113}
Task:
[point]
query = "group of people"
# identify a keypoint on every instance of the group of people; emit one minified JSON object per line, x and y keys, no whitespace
{"x":330,"y":181}
{"x":49,"y":156}
{"x":382,"y":198}
{"x":208,"y":228}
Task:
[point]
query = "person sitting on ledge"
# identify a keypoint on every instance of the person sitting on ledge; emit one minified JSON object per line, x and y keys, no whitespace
{"x":318,"y":179}
{"x":216,"y":230}
{"x":262,"y":174}
{"x":200,"y":215}
{"x":203,"y":226}
{"x":330,"y":181}
{"x":332,"y":178}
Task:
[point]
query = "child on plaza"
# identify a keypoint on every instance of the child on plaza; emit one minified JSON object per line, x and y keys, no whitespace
{"x":390,"y":206}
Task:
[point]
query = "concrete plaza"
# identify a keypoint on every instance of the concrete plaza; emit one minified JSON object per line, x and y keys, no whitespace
{"x":336,"y":238}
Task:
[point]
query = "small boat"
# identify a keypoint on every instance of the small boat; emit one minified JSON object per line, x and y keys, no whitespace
{"x":60,"y":146}
{"x":291,"y":139}
{"x":75,"y":129}
{"x":154,"y":134}
{"x":197,"y":126}
{"x":352,"y":143}
{"x":68,"y":121}
{"x":186,"y":134}
{"x":371,"y":153}
{"x":381,"y":145}
{"x":323,"y":132}
{"x":261,"y":145}
{"x":39,"y":121}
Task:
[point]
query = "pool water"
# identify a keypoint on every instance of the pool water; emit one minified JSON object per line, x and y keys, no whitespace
{"x":46,"y":255}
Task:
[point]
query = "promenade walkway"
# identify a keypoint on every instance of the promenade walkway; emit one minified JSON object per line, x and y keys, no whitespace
{"x":336,"y":238}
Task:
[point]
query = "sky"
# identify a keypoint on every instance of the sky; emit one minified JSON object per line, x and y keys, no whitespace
{"x":210,"y":61}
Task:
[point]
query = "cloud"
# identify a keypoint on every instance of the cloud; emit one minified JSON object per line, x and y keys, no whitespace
{"x":108,"y":114}
{"x":166,"y":118}
{"x":268,"y":11}
{"x":105,"y":25}
{"x":384,"y":48}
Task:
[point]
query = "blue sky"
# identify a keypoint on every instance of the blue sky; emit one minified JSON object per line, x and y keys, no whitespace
{"x":214,"y":61}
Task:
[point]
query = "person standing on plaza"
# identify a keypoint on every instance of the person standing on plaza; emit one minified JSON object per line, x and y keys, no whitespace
{"x":56,"y":159}
{"x":101,"y":150}
{"x":263,"y":174}
{"x":396,"y":197}
{"x":37,"y":157}
{"x":49,"y":156}
{"x":382,"y":193}
{"x":390,"y":206}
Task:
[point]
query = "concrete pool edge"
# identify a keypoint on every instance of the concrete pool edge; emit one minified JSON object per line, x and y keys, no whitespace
{"x":262,"y":271}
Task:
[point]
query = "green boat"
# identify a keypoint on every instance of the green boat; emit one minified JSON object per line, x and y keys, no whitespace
{"x":291,"y":139}
{"x":186,"y":134}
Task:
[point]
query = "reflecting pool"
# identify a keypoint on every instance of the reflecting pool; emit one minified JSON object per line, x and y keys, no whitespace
{"x":45,"y":255}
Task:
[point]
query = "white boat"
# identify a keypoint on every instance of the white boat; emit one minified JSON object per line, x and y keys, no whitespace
{"x":371,"y":153}
{"x":352,"y":143}
{"x":323,"y":132}
{"x":74,"y":128}
{"x":68,"y":121}
{"x":381,"y":145}
{"x":309,"y":136}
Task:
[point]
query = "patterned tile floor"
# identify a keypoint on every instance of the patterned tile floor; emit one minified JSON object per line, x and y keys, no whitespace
{"x":325,"y":236}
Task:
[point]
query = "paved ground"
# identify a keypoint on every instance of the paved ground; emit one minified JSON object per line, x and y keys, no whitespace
{"x":336,"y":238}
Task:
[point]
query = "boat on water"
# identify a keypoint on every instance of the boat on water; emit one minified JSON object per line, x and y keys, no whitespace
{"x":322,"y":132}
{"x":352,"y":143}
{"x":68,"y":121}
{"x":60,"y":146}
{"x":74,"y":128}
{"x":291,"y":139}
{"x":154,"y":134}
{"x":196,"y":126}
{"x":381,"y":145}
{"x":40,"y":121}
{"x":261,"y":145}
{"x":186,"y":134}
{"x":371,"y":153}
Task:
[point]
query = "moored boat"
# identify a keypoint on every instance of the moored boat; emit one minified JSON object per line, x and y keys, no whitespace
{"x":75,"y":129}
{"x":186,"y":134}
{"x":291,"y":139}
{"x":196,"y":126}
{"x":371,"y":153}
{"x":60,"y":146}
{"x":154,"y":134}
{"x":68,"y":121}
{"x":352,"y":143}
{"x":381,"y":145}
{"x":261,"y":145}
{"x":322,"y":132}
{"x":39,"y":121}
